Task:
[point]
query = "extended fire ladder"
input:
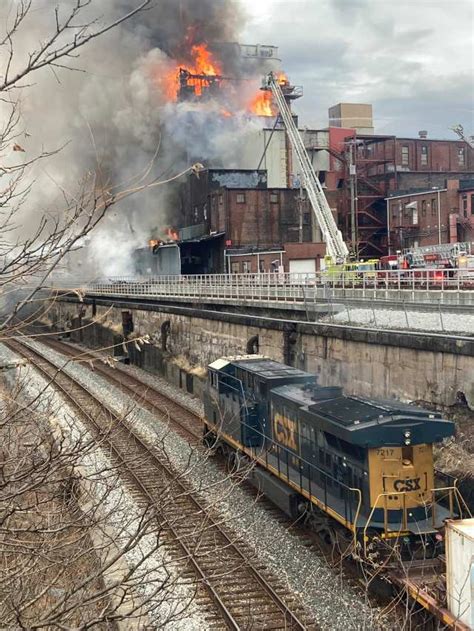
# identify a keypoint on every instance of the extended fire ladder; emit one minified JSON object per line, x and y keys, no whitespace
{"x":336,"y":247}
{"x":448,"y":251}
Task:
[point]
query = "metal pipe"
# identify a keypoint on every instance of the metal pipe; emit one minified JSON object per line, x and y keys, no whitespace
{"x":439,"y":217}
{"x":388,"y":226}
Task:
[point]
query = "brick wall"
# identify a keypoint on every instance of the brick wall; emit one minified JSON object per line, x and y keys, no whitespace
{"x":261,"y":218}
{"x":422,"y":224}
{"x":417,"y":154}
{"x":295,"y":251}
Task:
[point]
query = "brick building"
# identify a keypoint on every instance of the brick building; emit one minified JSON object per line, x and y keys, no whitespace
{"x":431,"y":216}
{"x":230,"y":220}
{"x":387,"y":163}
{"x":262,"y":218}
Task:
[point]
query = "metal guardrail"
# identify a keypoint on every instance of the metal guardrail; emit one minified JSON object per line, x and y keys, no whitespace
{"x":430,"y":285}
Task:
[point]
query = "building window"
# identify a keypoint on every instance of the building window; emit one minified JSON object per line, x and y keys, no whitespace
{"x":424,"y":155}
{"x":434,"y":206}
{"x":246,"y":267}
{"x":241,"y":198}
{"x":261,"y":266}
{"x":464,"y":205}
{"x":461,"y":156}
{"x":423,"y":208}
{"x":235,"y":267}
{"x":406,"y":210}
{"x":405,"y":155}
{"x":472,"y":204}
{"x":273,"y":198}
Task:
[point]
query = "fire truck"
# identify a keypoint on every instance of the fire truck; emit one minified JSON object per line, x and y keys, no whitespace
{"x":442,"y":263}
{"x":442,"y":256}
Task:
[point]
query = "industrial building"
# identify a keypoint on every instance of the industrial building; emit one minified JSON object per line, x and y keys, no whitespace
{"x":262,"y":209}
{"x":431,"y":216}
{"x":257,"y":217}
{"x":234,"y":222}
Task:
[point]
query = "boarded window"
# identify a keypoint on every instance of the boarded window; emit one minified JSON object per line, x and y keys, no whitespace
{"x":273,"y":198}
{"x":240,"y":198}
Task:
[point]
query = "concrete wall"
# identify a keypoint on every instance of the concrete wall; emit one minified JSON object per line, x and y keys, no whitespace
{"x":383,"y":364}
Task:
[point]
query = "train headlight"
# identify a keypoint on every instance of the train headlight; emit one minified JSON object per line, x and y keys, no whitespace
{"x":407,"y":441}
{"x":407,"y":434}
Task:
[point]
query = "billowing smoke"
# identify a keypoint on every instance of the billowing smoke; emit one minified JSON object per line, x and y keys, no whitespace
{"x":115,"y":111}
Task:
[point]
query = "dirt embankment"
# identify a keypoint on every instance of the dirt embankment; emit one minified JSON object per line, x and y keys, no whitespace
{"x":455,"y":456}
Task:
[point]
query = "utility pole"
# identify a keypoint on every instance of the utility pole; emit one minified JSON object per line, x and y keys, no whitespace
{"x":353,"y":190}
{"x":300,"y":199}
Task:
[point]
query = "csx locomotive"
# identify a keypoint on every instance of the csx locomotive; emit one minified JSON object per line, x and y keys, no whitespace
{"x":368,"y":464}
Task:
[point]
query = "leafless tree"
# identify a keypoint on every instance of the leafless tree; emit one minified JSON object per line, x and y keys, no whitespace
{"x":77,"y":551}
{"x":31,"y":259}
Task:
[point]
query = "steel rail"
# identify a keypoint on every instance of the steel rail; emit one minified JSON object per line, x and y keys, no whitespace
{"x":148,"y":397}
{"x":291,"y":621}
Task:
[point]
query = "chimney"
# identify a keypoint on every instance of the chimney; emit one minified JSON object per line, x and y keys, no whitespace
{"x":423,"y":134}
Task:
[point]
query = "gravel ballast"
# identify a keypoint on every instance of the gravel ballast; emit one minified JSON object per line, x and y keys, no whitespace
{"x":170,"y":600}
{"x":442,"y":321}
{"x":333,"y":602}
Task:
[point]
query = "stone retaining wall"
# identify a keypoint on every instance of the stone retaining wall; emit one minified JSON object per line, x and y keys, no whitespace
{"x":366,"y":363}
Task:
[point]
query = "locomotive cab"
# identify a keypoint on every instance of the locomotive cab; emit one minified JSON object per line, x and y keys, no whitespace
{"x":401,"y":484}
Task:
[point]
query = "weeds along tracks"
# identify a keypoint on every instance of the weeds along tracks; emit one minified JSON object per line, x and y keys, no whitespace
{"x":244,"y":594}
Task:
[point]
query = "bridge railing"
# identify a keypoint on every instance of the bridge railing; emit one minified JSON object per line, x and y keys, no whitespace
{"x":288,"y":287}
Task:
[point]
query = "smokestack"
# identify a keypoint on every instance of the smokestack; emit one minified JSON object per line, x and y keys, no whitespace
{"x":423,"y":134}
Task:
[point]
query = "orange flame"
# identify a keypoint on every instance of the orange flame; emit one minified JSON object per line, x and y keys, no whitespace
{"x":171,"y":233}
{"x":282,"y":78}
{"x":202,"y":63}
{"x":153,"y":242}
{"x":262,"y":104}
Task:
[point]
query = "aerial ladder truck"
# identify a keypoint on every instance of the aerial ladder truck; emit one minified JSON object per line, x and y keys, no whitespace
{"x":336,"y":248}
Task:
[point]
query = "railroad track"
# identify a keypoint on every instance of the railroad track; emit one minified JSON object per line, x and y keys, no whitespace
{"x":244,"y":595}
{"x":185,"y":422}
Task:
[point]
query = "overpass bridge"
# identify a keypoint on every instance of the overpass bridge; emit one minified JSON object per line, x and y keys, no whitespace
{"x":318,"y":293}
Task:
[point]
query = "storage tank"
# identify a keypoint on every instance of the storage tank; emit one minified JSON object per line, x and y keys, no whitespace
{"x":460,"y":569}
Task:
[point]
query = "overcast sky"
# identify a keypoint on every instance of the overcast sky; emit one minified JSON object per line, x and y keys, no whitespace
{"x":412,"y":59}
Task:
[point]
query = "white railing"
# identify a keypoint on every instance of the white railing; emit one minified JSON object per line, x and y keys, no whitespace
{"x":430,"y":285}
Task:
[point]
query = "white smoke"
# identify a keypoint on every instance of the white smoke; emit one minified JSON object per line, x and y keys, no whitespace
{"x":111,"y":114}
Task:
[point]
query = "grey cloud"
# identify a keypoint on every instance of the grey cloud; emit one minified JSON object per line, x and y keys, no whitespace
{"x":413,"y":61}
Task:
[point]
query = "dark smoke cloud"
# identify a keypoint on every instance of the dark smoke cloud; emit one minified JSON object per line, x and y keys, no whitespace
{"x":174,"y":26}
{"x":113,"y":113}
